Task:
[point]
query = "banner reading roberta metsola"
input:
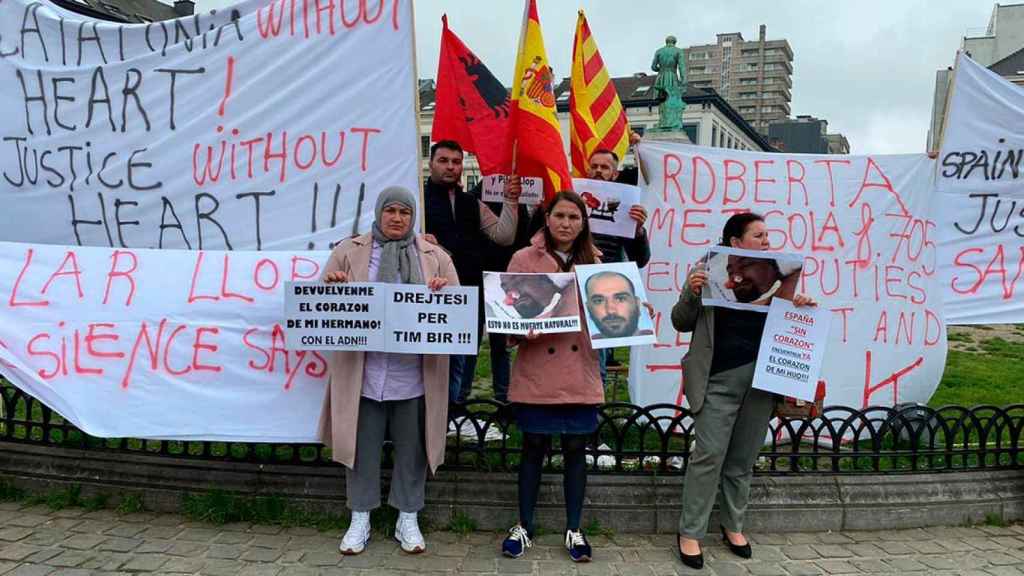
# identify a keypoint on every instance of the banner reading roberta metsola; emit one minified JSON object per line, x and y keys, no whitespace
{"x":980,"y":193}
{"x":261,"y":126}
{"x":864,"y":227}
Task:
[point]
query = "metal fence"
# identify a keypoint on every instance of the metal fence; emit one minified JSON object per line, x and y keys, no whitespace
{"x":630,"y":439}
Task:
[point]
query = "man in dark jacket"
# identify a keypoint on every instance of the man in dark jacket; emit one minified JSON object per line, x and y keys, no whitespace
{"x":604,"y":165}
{"x":463,"y":225}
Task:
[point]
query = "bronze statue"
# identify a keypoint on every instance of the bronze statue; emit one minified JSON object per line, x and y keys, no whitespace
{"x":670,"y":85}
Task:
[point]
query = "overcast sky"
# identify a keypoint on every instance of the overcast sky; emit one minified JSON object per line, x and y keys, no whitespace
{"x":866,"y":66}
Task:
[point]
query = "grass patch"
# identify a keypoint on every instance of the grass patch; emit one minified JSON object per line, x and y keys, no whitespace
{"x":219,"y":507}
{"x":9,"y":492}
{"x":990,"y":376}
{"x":595,"y":528}
{"x":461,"y":524}
{"x":993,"y":519}
{"x":959,"y":337}
{"x":130,"y":504}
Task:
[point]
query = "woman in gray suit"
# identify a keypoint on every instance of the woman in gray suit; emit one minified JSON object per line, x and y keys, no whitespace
{"x":730,"y":419}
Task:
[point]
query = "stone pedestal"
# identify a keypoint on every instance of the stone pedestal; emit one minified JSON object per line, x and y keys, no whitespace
{"x":679,"y":137}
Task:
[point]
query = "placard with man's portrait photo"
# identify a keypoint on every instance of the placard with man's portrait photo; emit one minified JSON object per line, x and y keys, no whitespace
{"x":614,"y":304}
{"x":516,"y":303}
{"x":749,"y":279}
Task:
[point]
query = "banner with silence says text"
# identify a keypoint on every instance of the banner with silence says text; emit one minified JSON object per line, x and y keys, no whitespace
{"x":865,"y":229}
{"x":160,"y":343}
{"x":980,"y":192}
{"x":268,"y":125}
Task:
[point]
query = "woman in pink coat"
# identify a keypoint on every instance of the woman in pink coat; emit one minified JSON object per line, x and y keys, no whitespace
{"x":373,"y":393}
{"x":556,"y":382}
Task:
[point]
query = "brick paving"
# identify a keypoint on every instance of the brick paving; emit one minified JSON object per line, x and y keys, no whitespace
{"x":35,"y":541}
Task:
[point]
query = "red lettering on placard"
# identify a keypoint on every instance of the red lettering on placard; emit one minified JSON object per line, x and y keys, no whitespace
{"x":790,"y":180}
{"x":844,"y":312}
{"x":832,"y":179}
{"x":12,"y":301}
{"x":882,"y":327}
{"x":929,"y":316}
{"x":884,"y":184}
{"x":673,"y":176}
{"x":366,"y":143}
{"x":711,"y":174}
{"x":198,"y":345}
{"x":688,"y":225}
{"x":192,"y":297}
{"x":79,"y":369}
{"x":658,"y":224}
{"x":297,"y":275}
{"x":273,"y":268}
{"x":758,"y":180}
{"x":91,"y":338}
{"x":167,"y":352}
{"x":730,"y":177}
{"x":154,"y":349}
{"x":34,"y":353}
{"x":893,"y":380}
{"x":114,"y":272}
{"x":224,"y":292}
{"x":996,"y":267}
{"x":75,"y":271}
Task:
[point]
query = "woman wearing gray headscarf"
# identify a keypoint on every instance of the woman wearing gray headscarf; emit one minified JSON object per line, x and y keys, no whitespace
{"x":373,"y":392}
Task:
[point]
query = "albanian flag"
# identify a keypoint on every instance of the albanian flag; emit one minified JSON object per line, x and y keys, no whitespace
{"x":471,"y":106}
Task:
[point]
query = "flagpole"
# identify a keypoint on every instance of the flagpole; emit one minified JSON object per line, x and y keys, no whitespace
{"x":416,"y":117}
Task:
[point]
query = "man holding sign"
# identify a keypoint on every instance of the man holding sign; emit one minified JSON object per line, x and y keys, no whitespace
{"x":462,"y":225}
{"x":371,"y":393}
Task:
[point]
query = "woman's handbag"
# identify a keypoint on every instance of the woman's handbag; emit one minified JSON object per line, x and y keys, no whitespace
{"x":795,"y":409}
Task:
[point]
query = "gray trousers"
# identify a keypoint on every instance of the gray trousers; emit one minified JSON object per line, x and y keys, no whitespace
{"x":405,"y":420}
{"x":729,"y":430}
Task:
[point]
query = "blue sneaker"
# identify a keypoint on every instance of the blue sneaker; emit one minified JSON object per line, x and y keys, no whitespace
{"x":577,"y":545}
{"x":516,"y":543}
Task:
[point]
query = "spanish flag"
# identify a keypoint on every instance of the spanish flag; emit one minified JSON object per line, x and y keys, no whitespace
{"x":598,"y":120}
{"x":535,"y":139}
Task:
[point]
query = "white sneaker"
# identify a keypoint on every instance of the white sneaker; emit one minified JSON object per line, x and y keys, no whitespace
{"x":358,"y":534}
{"x":407,"y":532}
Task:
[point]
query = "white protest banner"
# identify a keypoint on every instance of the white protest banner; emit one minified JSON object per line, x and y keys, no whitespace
{"x":613,"y":302}
{"x":981,"y":198}
{"x":160,"y":343}
{"x":749,"y":279}
{"x":792,"y":349}
{"x":864,"y":228}
{"x":258,"y":127}
{"x":608,"y":205}
{"x":372,"y":316}
{"x":493,"y":189}
{"x":518,"y":302}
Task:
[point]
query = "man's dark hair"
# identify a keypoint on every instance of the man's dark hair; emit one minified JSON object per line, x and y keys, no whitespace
{"x":606,"y":274}
{"x":447,"y":145}
{"x":606,"y":151}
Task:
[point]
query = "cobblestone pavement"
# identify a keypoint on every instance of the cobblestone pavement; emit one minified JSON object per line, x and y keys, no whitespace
{"x":35,"y":541}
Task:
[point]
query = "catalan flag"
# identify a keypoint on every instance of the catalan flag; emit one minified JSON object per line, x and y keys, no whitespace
{"x":598,"y":120}
{"x":535,"y":139}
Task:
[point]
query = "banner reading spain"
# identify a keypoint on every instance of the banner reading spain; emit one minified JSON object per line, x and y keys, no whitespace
{"x":534,"y":137}
{"x":598,"y":119}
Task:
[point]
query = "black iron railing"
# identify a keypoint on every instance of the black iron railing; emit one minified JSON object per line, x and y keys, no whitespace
{"x":630,"y":439}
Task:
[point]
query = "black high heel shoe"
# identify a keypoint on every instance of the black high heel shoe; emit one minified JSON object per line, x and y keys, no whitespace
{"x":743,"y":551}
{"x":696,"y":561}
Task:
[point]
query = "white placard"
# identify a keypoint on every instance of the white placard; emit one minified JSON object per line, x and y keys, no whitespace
{"x":494,"y":189}
{"x":212,"y":131}
{"x":608,"y":205}
{"x":613,"y":303}
{"x":517,"y":303}
{"x":792,"y":348}
{"x":980,"y":181}
{"x":750,"y":279}
{"x":378,"y":317}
